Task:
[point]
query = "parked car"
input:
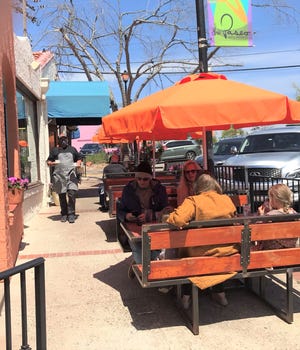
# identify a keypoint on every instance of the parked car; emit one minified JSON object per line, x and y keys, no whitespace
{"x":267,"y":156}
{"x":91,"y":148}
{"x":180,"y":150}
{"x":223,"y":149}
{"x":273,"y":151}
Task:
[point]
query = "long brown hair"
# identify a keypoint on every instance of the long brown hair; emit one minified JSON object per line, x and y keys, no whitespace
{"x":184,"y":186}
{"x":206,"y":183}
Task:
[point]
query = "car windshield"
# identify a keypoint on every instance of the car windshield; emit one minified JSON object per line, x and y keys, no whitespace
{"x":90,"y":146}
{"x":224,"y":148}
{"x":281,"y":142}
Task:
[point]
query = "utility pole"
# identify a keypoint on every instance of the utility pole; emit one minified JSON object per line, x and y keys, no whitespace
{"x":24,"y":12}
{"x":202,"y":42}
{"x":207,"y":144}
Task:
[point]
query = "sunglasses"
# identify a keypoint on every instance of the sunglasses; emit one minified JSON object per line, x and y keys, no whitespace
{"x":190,"y":171}
{"x":143,"y":178}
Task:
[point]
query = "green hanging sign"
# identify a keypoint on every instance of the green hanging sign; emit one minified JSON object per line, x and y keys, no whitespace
{"x":230,"y":22}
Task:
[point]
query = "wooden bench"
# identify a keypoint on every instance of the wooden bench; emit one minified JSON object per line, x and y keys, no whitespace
{"x":248,"y":264}
{"x":123,"y":179}
{"x":115,"y":192}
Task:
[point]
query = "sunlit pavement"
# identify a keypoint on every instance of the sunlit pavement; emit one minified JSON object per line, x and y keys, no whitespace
{"x":91,"y":303}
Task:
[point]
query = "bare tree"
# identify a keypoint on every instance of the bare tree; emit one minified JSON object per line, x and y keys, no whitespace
{"x":101,"y":41}
{"x":148,"y":44}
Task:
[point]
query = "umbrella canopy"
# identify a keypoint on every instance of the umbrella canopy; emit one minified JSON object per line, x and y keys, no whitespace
{"x":101,"y":137}
{"x":204,"y":101}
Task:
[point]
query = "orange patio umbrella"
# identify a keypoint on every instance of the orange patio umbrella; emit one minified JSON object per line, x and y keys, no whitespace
{"x":204,"y":101}
{"x":101,"y":137}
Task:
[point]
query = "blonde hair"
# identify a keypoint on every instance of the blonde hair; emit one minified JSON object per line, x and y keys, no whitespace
{"x":183,"y":189}
{"x":282,"y":195}
{"x":206,"y":183}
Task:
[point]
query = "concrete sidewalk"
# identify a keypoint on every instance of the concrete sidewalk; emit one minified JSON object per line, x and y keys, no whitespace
{"x":91,"y":303}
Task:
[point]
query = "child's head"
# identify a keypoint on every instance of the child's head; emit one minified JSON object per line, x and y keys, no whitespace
{"x":281,"y":197}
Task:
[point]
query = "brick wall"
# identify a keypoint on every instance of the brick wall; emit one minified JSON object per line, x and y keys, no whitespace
{"x":10,"y":236}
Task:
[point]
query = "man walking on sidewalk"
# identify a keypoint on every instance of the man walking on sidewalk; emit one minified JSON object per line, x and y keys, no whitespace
{"x":65,"y":159}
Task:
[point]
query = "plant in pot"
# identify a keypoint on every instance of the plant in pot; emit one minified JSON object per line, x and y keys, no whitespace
{"x":16,"y":187}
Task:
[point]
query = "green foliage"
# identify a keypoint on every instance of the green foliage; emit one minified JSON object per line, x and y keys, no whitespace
{"x":232,"y":132}
{"x":298,"y":95}
{"x":97,"y":158}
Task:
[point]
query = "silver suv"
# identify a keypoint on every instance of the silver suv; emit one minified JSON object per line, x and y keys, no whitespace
{"x":180,"y":150}
{"x":270,"y":152}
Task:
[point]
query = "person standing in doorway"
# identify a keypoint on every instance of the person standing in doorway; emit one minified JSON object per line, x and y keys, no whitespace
{"x":65,"y":159}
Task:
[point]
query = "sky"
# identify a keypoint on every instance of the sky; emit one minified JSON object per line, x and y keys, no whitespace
{"x":276,"y":44}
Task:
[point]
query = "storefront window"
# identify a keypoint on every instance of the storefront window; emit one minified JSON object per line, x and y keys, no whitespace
{"x":27,"y":125}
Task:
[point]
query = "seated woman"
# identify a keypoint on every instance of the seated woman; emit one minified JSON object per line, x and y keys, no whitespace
{"x":208,"y":203}
{"x":280,"y":201}
{"x":191,"y":170}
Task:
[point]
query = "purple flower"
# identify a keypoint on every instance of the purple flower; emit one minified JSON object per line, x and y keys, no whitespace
{"x":15,"y":182}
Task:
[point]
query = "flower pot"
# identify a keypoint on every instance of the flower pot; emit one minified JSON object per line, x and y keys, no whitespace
{"x":15,"y":195}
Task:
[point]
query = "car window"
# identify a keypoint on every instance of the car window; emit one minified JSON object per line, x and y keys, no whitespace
{"x":281,"y":142}
{"x":90,"y":146}
{"x":224,"y":148}
{"x":178,"y":143}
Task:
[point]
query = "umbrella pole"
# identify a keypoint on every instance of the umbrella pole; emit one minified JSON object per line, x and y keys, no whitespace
{"x":204,"y":149}
{"x":153,"y":158}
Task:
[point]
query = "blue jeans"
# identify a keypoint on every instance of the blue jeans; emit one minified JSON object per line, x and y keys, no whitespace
{"x":136,"y":248}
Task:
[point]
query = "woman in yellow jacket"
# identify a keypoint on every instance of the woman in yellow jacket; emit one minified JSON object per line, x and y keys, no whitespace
{"x":208,"y":203}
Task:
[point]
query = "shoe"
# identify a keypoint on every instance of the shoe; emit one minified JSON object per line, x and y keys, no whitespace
{"x":63,"y":218}
{"x":220,"y":298}
{"x":186,"y":301}
{"x":71,"y":219}
{"x":104,"y":209}
{"x":131,"y":274}
{"x":165,"y":290}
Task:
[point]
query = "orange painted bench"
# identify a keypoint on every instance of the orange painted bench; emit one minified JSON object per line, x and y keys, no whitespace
{"x":247,"y":264}
{"x":115,"y":192}
{"x":123,"y":179}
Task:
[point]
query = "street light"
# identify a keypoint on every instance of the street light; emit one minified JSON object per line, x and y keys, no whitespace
{"x":125,"y":78}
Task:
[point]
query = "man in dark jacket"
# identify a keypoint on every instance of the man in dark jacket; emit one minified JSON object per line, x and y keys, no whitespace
{"x":141,"y":200}
{"x":65,"y":158}
{"x":114,"y":167}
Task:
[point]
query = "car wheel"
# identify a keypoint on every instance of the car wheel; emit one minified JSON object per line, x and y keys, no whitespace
{"x":190,"y":155}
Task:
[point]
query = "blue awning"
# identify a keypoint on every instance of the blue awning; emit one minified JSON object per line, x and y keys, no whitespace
{"x":78,"y":99}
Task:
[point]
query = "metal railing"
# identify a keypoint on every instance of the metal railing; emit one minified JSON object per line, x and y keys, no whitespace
{"x":40,"y":303}
{"x":239,"y":180}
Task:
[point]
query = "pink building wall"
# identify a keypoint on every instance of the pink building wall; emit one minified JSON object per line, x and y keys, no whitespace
{"x":86,"y":134}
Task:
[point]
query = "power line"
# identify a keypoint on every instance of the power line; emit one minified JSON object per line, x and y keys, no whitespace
{"x":216,"y":71}
{"x":258,"y":68}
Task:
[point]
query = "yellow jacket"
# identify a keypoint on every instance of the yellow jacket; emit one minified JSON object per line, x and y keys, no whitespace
{"x":205,"y":206}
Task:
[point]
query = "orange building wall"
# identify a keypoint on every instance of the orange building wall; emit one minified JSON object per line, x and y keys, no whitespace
{"x":10,"y":234}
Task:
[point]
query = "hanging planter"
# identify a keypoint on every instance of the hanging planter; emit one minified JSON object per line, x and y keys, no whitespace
{"x":16,"y":189}
{"x":15,"y":196}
